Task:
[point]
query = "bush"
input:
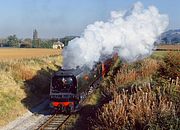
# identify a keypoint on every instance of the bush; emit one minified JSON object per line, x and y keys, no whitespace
{"x":170,"y":67}
{"x":129,"y":73}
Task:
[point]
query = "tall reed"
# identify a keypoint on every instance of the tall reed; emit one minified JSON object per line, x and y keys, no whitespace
{"x":145,"y":108}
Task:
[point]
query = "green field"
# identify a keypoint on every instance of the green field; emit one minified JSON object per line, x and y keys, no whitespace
{"x":159,"y":54}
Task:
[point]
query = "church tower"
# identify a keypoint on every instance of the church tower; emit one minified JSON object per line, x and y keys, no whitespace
{"x":36,"y":40}
{"x":35,"y":35}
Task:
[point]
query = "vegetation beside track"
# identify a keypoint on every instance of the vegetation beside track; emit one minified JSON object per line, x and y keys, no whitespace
{"x":20,"y":79}
{"x":141,"y":96}
{"x":80,"y":120}
{"x":136,"y":96}
{"x":23,"y":84}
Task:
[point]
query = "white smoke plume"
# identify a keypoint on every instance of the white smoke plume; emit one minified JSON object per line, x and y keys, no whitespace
{"x":133,"y":31}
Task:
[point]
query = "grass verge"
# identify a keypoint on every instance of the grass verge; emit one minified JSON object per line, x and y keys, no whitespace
{"x":23,"y":83}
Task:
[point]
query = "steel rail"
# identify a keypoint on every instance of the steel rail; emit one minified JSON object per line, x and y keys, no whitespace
{"x":55,"y":122}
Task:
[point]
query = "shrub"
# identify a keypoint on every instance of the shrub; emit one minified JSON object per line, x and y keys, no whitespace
{"x":170,"y":67}
{"x":129,"y":73}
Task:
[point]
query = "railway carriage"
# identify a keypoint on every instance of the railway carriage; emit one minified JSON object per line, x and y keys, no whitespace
{"x":69,"y":87}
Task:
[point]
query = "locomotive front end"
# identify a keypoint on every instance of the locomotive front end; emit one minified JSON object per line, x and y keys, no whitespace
{"x":63,"y":90}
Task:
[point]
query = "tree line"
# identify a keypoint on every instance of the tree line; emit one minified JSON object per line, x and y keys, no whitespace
{"x":13,"y":41}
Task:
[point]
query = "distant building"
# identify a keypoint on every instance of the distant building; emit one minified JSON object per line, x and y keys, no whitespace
{"x":36,"y":41}
{"x":58,"y":45}
{"x":35,"y":35}
{"x":3,"y":42}
{"x":26,"y":43}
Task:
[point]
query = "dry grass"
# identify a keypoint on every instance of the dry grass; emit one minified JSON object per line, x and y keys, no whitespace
{"x":20,"y":53}
{"x":170,"y":67}
{"x":143,"y":109}
{"x":23,"y":83}
{"x":129,"y":73}
{"x":138,"y":72}
{"x":10,"y":103}
{"x":152,"y":105}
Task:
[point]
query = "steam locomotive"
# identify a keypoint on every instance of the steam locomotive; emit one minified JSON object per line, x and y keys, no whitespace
{"x":68,"y":86}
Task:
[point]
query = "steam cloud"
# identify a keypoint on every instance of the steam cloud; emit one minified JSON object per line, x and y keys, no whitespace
{"x":133,"y":31}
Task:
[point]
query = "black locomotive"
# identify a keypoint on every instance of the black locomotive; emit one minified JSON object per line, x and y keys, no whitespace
{"x":68,"y":86}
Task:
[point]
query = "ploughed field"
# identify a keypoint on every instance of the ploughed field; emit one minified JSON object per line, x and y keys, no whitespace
{"x":168,"y":48}
{"x":21,"y":53}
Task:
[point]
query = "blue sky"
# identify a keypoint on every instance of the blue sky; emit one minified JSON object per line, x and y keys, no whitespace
{"x":58,"y":18}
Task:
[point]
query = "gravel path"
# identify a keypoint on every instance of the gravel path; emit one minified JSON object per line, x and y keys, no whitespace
{"x":32,"y":119}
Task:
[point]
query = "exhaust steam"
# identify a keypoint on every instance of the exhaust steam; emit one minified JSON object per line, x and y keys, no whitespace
{"x":133,"y":31}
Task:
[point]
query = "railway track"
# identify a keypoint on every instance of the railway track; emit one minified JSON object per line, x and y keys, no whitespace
{"x":55,"y":122}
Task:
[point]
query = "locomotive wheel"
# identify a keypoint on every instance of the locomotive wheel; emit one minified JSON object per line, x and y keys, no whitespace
{"x":68,"y":110}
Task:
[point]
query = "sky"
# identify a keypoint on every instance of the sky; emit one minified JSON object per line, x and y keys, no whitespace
{"x":59,"y":18}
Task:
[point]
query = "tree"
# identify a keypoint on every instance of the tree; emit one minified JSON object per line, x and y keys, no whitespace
{"x":165,"y":40}
{"x":36,"y":43}
{"x":28,"y":41}
{"x":175,"y":40}
{"x":12,"y":41}
{"x":46,"y":44}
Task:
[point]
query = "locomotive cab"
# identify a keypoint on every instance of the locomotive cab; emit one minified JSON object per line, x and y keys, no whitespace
{"x":64,"y":84}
